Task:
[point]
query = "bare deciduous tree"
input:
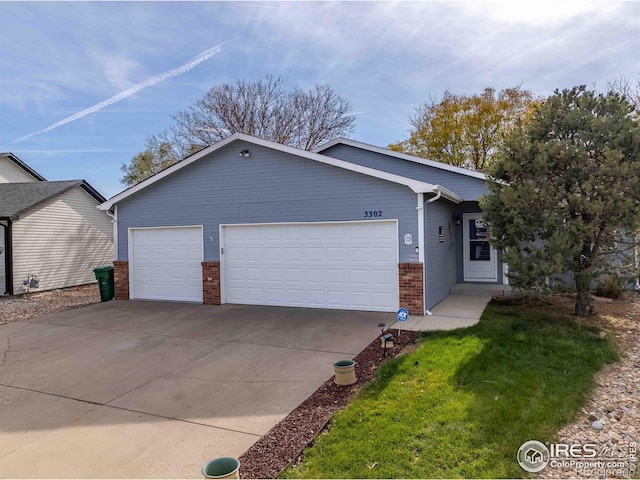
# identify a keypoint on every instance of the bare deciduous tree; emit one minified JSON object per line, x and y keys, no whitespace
{"x":261,"y":108}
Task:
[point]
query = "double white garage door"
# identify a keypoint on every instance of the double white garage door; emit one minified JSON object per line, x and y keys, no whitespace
{"x":345,"y":265}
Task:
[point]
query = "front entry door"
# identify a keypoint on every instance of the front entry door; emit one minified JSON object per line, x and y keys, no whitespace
{"x":480,"y":262}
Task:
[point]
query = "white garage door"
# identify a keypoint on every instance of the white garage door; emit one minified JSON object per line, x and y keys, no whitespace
{"x":347,"y":265}
{"x":165,"y":263}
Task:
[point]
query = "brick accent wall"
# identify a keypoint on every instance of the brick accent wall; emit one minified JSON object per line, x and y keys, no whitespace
{"x":211,"y":283}
{"x":121,"y":279}
{"x":411,"y":278}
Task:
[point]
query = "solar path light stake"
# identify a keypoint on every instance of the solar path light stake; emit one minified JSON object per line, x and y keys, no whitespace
{"x":387,"y":341}
{"x":381,"y":326}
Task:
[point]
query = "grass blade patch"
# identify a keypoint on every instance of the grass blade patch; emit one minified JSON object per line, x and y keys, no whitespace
{"x":462,"y":403}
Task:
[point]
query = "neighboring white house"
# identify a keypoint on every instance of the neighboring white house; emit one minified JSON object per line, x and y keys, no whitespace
{"x":50,"y":229}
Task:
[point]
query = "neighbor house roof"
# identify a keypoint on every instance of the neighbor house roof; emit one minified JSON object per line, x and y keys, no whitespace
{"x":22,"y":165}
{"x":415,"y":185}
{"x":403,"y":156}
{"x":17,"y":198}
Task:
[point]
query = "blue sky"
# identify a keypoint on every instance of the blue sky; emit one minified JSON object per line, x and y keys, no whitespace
{"x":136,"y":63}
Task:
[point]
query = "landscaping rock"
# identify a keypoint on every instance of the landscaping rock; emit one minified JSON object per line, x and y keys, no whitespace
{"x":601,"y":299}
{"x":616,"y":393}
{"x":37,"y":304}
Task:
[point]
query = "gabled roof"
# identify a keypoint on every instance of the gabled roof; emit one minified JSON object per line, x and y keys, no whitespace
{"x":23,"y":165}
{"x":415,"y":185}
{"x":402,"y":156}
{"x":17,"y":198}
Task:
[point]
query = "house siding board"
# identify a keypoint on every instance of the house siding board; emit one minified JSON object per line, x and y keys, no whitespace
{"x":12,"y":173}
{"x":62,"y":241}
{"x":267,"y":187}
{"x":468,"y":188}
{"x":440,"y":257}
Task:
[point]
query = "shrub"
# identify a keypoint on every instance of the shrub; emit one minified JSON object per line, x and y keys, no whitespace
{"x":611,"y":286}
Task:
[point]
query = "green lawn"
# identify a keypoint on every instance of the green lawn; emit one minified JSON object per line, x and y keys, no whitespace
{"x":462,"y":403}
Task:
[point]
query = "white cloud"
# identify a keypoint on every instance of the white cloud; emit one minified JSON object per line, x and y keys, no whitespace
{"x":207,"y":54}
{"x":540,"y":13}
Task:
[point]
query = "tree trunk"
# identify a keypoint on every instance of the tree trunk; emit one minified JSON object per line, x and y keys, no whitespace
{"x":584,"y":307}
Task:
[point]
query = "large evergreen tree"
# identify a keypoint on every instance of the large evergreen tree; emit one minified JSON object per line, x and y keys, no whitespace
{"x":567,"y":186}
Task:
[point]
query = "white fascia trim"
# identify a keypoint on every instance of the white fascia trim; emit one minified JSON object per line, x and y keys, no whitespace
{"x":448,"y":194}
{"x":403,"y":156}
{"x":415,"y":185}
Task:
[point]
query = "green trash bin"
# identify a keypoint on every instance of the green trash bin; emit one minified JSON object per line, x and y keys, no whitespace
{"x":104,"y":275}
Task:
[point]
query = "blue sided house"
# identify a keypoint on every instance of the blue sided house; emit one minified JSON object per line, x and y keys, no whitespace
{"x":347,"y":226}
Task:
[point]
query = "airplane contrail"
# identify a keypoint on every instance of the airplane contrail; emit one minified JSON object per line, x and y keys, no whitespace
{"x":149,"y":82}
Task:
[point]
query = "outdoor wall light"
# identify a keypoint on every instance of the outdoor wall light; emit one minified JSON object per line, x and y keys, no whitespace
{"x":244,"y":153}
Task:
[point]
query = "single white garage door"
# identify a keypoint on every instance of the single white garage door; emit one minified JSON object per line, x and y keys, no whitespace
{"x":345,"y":265}
{"x":165,"y":263}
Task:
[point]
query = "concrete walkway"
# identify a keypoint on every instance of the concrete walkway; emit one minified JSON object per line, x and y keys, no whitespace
{"x":455,"y":311}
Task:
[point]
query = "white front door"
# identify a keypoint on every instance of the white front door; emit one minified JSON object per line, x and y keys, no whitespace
{"x":343,"y":265}
{"x":480,"y":259}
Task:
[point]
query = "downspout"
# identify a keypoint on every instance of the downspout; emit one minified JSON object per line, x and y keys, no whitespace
{"x":421,"y":249}
{"x":114,"y":221}
{"x":8,"y":257}
{"x":423,"y":243}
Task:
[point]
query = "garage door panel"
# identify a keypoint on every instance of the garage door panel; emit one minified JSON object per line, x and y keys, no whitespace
{"x":251,"y":253}
{"x":255,"y":274}
{"x":274,"y":274}
{"x":166,"y":264}
{"x":273,"y":253}
{"x":337,"y":253}
{"x":294,"y":274}
{"x":314,"y":254}
{"x":344,"y":265}
{"x":234,"y":274}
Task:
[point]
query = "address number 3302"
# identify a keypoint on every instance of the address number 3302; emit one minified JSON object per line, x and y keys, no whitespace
{"x":372,"y":213}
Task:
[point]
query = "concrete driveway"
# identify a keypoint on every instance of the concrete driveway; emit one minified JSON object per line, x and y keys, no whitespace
{"x":148,"y":389}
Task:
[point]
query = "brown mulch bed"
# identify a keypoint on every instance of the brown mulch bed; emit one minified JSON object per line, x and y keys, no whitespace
{"x":285,"y":442}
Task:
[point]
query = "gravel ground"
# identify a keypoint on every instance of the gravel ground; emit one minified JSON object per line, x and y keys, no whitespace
{"x":614,"y":403}
{"x":37,"y":304}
